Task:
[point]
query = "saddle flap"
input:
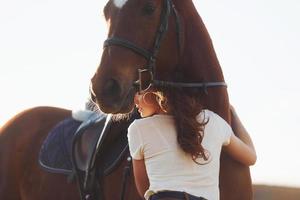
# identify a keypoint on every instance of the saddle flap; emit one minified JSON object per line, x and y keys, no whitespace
{"x":55,"y":153}
{"x":86,"y":142}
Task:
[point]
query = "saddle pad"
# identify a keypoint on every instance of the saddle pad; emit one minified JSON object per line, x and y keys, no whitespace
{"x":55,"y":154}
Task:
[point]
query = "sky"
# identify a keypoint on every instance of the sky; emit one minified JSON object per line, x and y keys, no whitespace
{"x":49,"y":50}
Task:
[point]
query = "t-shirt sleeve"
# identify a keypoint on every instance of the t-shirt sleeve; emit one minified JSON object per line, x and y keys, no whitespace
{"x":225,"y":129}
{"x":135,"y":142}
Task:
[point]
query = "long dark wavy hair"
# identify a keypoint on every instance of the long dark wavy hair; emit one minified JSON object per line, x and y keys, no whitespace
{"x":185,"y":105}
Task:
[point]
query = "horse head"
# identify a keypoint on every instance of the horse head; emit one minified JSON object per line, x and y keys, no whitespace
{"x":142,"y":35}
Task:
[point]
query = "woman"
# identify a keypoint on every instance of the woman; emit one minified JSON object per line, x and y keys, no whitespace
{"x":176,"y":146}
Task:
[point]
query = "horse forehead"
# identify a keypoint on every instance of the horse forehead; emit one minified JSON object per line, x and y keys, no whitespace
{"x":120,"y":3}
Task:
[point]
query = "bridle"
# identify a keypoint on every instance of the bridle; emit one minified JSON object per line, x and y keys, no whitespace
{"x":151,"y":55}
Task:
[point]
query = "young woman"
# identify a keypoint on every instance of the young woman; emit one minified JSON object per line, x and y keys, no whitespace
{"x":176,"y":146}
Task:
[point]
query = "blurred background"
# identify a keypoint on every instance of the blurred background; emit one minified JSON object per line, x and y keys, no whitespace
{"x":49,"y":50}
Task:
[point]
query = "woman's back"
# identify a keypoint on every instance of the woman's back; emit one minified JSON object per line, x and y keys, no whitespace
{"x":154,"y":139}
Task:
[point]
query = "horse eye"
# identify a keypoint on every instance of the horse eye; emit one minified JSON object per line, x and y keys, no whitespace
{"x":149,"y":9}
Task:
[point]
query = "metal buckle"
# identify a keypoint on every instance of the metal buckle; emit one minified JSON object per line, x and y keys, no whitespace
{"x":145,"y":80}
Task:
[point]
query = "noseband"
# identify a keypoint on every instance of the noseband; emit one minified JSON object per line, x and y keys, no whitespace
{"x":151,"y":55}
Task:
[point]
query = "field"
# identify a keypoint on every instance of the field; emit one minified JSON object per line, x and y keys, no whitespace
{"x":265,"y":192}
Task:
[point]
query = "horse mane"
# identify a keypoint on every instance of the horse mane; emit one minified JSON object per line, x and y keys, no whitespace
{"x":199,"y":56}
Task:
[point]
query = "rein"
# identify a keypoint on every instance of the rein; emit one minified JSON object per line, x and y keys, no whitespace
{"x":151,"y":55}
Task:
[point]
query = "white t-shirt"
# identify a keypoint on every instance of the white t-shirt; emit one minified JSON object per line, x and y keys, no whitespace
{"x":154,"y":139}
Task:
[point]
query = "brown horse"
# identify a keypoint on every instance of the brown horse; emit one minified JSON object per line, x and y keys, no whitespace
{"x":169,"y":41}
{"x":21,"y":178}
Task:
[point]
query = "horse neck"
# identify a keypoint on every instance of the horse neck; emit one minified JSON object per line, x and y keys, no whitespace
{"x":200,"y":62}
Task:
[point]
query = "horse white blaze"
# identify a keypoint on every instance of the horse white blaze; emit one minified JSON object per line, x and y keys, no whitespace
{"x":120,"y":3}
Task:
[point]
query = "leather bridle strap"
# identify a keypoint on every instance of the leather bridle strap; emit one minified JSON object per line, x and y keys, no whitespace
{"x":188,"y":85}
{"x":129,"y":45}
{"x":164,"y":25}
{"x":178,"y":30}
{"x":203,"y":85}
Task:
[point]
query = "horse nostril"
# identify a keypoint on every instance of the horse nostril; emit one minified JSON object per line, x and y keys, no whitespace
{"x":112,"y":88}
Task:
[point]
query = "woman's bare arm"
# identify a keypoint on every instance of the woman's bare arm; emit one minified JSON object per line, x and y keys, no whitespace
{"x":140,"y":176}
{"x":241,"y":148}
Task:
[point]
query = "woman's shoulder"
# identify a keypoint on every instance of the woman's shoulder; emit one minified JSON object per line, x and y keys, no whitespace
{"x":217,"y":127}
{"x":153,"y":118}
{"x":205,"y":115}
{"x":149,"y":121}
{"x":215,"y":121}
{"x":208,"y":112}
{"x":141,"y":121}
{"x":210,"y":116}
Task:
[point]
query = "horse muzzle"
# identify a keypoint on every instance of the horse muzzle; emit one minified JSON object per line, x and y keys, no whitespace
{"x":112,"y":97}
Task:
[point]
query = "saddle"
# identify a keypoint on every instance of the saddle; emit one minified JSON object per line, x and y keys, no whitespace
{"x":73,"y":147}
{"x":56,"y":150}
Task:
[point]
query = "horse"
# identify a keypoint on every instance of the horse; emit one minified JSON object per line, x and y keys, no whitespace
{"x":21,"y":176}
{"x":164,"y":43}
{"x":183,"y":41}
